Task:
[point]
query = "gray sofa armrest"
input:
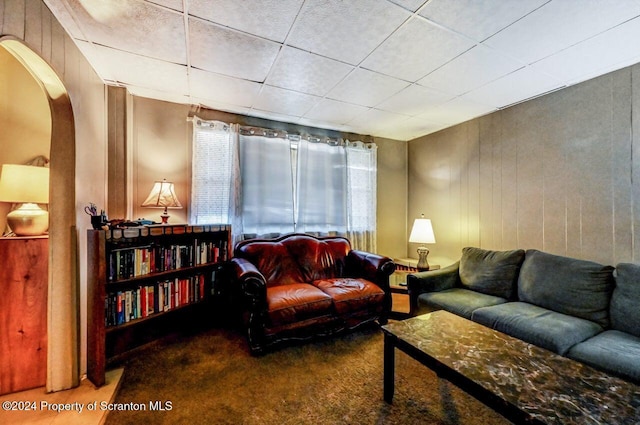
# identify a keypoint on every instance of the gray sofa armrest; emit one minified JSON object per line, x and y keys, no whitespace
{"x":432,"y":281}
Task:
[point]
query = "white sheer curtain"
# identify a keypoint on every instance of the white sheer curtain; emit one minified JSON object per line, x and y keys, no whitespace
{"x":321,"y":187}
{"x":361,"y":188}
{"x":211,"y":183}
{"x":267,"y":182}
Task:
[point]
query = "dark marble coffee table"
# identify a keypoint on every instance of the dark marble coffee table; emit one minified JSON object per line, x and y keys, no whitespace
{"x":523,"y":382}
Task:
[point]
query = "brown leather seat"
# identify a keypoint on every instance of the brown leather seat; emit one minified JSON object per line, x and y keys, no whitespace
{"x":299,"y":286}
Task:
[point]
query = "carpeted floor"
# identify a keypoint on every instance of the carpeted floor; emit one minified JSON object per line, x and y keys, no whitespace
{"x":211,"y":379}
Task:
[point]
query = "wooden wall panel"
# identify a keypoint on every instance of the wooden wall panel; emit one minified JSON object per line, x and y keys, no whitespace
{"x":558,"y":173}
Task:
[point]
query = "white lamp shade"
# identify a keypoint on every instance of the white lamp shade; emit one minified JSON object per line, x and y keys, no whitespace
{"x":24,"y":183}
{"x":162,"y":195}
{"x":422,"y":231}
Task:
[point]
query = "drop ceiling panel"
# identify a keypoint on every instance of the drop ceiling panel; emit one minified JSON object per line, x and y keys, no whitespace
{"x":283,"y":101}
{"x":457,"y":110}
{"x":456,"y":78}
{"x":415,"y":50}
{"x":229,"y":52}
{"x":560,"y":24}
{"x":171,"y":4}
{"x":345,"y":30}
{"x":220,"y":88}
{"x":140,"y":71}
{"x":515,"y":87}
{"x":478,"y":19}
{"x":332,"y":111}
{"x":414,"y":100}
{"x":266,"y":18}
{"x":411,"y":5}
{"x":305,"y":72}
{"x":133,"y":26}
{"x":275,"y":58}
{"x":366,"y":88}
{"x":595,"y":56}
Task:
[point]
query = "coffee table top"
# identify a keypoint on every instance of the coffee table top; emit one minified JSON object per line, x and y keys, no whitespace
{"x":550,"y":388}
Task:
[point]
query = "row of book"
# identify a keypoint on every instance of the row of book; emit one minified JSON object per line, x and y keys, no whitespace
{"x":123,"y":306}
{"x":126,"y":263}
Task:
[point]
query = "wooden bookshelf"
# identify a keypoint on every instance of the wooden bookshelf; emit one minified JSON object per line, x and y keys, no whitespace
{"x":148,"y":282}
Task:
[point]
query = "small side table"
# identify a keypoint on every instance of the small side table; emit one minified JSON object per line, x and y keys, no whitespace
{"x":401,"y":308}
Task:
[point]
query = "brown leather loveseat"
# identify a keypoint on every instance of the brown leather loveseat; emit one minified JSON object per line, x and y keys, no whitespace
{"x":299,"y":286}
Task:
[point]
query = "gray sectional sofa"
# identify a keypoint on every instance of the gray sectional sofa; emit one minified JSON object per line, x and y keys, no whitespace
{"x":576,"y":308}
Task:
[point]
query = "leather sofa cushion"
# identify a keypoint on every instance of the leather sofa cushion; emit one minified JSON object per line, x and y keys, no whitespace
{"x":548,"y":329}
{"x":316,"y":259}
{"x":490,"y":272}
{"x":611,"y":351}
{"x":457,"y":300}
{"x":624,"y":309}
{"x":567,"y":285}
{"x":296,"y":302}
{"x":350,"y":295}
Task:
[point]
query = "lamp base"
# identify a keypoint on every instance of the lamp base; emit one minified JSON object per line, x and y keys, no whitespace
{"x":28,"y":220}
{"x":423,"y":264}
{"x":165,"y":216}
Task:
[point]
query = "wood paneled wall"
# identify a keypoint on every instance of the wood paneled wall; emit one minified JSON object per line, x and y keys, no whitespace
{"x":558,"y":173}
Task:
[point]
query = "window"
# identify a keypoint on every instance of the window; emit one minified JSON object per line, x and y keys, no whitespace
{"x":285,"y":183}
{"x":211,"y":180}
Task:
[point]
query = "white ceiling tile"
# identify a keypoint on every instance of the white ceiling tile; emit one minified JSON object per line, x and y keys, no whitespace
{"x":415,"y":50}
{"x":560,"y":24}
{"x":595,"y":56}
{"x":159,"y":95}
{"x":375,"y":120}
{"x":366,"y":88}
{"x":133,"y":26}
{"x":332,"y":111}
{"x":456,"y":111}
{"x":522,"y":84}
{"x":140,"y":71}
{"x":273,"y":116}
{"x":171,"y":4}
{"x":281,"y":101}
{"x":270,"y":19}
{"x":470,"y":70}
{"x":478,"y":19}
{"x":345,"y":30}
{"x":220,"y":106}
{"x":220,"y":88}
{"x":414,"y":100}
{"x":229,"y":52}
{"x":411,"y":5}
{"x":413,"y":128}
{"x":305,"y":72}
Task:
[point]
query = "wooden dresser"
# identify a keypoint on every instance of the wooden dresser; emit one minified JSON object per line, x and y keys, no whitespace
{"x":23,"y":312}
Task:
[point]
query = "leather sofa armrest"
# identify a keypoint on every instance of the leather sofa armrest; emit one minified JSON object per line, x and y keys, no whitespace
{"x":373,"y":267}
{"x":252,"y":283}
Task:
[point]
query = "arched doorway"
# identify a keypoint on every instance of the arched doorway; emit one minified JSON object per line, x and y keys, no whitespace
{"x":62,"y":311}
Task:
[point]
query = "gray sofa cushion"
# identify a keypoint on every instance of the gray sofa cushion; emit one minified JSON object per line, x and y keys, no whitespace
{"x":457,"y":300}
{"x":567,"y":285}
{"x":624,"y":310}
{"x":545,"y":328}
{"x":490,"y":272}
{"x":611,"y":351}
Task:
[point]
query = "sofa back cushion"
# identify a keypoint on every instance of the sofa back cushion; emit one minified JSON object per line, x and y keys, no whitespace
{"x":296,"y":258}
{"x":570,"y":286}
{"x":625,"y":301}
{"x":490,"y":272}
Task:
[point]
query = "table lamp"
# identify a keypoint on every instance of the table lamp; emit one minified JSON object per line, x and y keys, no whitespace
{"x":422,"y":232}
{"x":162,"y":195}
{"x":27,"y":185}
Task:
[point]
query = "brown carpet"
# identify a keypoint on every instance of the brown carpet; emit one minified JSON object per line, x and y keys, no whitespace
{"x":211,"y":379}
